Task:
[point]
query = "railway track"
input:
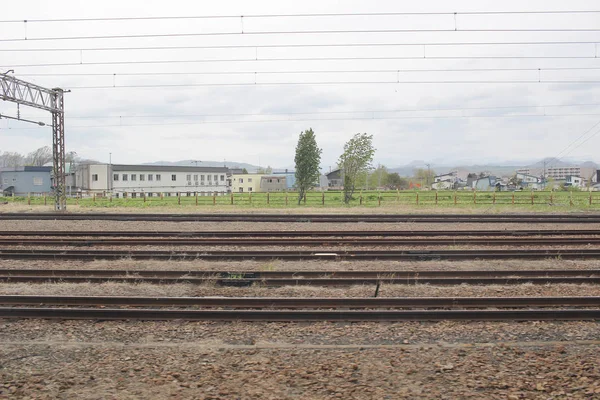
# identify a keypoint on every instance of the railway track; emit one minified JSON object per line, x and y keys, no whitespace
{"x":304,"y":302}
{"x":301,"y":315}
{"x":322,"y":254}
{"x":301,"y":242}
{"x":290,"y":234}
{"x":306,"y":278}
{"x":315,"y":218}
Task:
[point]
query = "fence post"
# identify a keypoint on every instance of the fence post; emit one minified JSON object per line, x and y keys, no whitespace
{"x":231,"y":198}
{"x":571,"y":199}
{"x":110,"y":198}
{"x":250,"y":198}
{"x":45,"y":197}
{"x":360,"y":201}
{"x":475,"y":197}
{"x":513,"y":198}
{"x":144,"y":196}
{"x":28,"y":198}
{"x":398,"y":195}
{"x":268,"y":198}
{"x":436,"y":195}
{"x":304,"y":198}
{"x":161,"y":195}
{"x":286,"y":198}
{"x":179,"y":198}
{"x":94,"y":197}
{"x":455,"y":198}
{"x":532,"y":197}
{"x":590,"y":198}
{"x":551,"y":200}
{"x":214,"y":199}
{"x":379,"y":198}
{"x":196,"y":195}
{"x":417,"y":198}
{"x":323,"y":199}
{"x":494,"y":198}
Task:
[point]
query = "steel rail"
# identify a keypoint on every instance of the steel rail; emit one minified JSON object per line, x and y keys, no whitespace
{"x":303,"y":302}
{"x":300,"y":242}
{"x":233,"y":274}
{"x":279,"y":233}
{"x":324,"y":254}
{"x":297,"y":315}
{"x":303,"y":281}
{"x":440,"y":218}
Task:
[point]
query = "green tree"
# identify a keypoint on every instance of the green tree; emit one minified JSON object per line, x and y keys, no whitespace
{"x":307,"y":159}
{"x":395,"y":181}
{"x":244,"y":171}
{"x":267,"y":170}
{"x":356,"y":160}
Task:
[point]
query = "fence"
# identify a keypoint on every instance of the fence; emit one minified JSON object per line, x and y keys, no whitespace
{"x":324,"y":199}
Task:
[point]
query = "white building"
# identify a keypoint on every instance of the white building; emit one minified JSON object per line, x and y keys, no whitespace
{"x":135,"y":180}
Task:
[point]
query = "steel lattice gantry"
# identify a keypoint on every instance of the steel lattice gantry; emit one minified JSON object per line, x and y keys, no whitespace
{"x":29,"y":94}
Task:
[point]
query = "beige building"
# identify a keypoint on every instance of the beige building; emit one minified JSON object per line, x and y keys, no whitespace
{"x":273,"y":183}
{"x":245,"y":183}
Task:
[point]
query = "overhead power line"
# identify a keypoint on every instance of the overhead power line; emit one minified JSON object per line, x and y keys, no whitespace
{"x":297,"y":59}
{"x":309,"y":15}
{"x":365,"y":71}
{"x":308,"y":32}
{"x":366,"y":118}
{"x":275,"y":46}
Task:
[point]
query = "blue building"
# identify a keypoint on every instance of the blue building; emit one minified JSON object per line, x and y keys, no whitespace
{"x":23,"y":180}
{"x":290,"y":178}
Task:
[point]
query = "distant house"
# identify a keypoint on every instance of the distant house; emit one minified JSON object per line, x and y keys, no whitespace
{"x":335,"y":179}
{"x":24,"y":180}
{"x":488,"y":184}
{"x":574,"y":181}
{"x":445,"y":181}
{"x":528,"y":181}
{"x":273,"y":183}
{"x":290,"y":178}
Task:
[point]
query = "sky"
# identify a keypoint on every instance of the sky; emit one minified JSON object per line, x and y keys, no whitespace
{"x":248,"y":99}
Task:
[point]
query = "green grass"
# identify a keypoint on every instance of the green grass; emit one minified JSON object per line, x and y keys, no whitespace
{"x":418,"y":199}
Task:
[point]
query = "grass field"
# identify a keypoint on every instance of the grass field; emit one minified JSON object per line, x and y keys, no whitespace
{"x":535,"y":201}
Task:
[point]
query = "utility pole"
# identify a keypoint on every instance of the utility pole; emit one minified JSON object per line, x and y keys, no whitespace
{"x":428,"y":174}
{"x":29,"y":94}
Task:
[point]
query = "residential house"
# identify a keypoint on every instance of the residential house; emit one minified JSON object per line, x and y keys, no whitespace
{"x":488,"y":183}
{"x":528,"y":181}
{"x":273,"y":183}
{"x":445,"y":181}
{"x":574,"y":181}
{"x":246,"y":183}
{"x":290,"y":178}
{"x":335,"y":179}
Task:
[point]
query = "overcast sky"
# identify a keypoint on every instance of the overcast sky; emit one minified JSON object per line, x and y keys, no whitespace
{"x":261,"y":123}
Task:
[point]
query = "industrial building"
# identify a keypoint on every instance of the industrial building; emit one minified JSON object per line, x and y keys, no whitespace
{"x":24,"y":180}
{"x":152,"y":180}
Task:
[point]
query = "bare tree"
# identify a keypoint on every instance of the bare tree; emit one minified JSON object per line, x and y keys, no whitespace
{"x":40,"y":156}
{"x":11,"y":159}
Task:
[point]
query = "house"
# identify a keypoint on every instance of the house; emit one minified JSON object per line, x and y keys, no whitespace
{"x":246,"y":183}
{"x":24,"y":180}
{"x":574,"y":181}
{"x":335,"y":179}
{"x":524,"y":180}
{"x":445,"y":181}
{"x":152,"y":180}
{"x":290,"y":178}
{"x":273,"y":183}
{"x":486,"y":183}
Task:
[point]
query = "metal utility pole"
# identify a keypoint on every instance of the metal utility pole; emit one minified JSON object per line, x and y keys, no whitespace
{"x":29,"y":94}
{"x":428,"y":174}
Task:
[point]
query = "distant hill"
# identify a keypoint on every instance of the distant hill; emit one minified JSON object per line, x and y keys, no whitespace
{"x":229,"y":164}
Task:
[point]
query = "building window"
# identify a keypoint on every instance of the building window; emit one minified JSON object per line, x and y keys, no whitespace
{"x":95,"y":177}
{"x":241,"y":190}
{"x":173,"y":177}
{"x":142,"y":177}
{"x":188,"y":178}
{"x":249,"y":180}
{"x":115,"y":177}
{"x":208,"y":177}
{"x":117,"y":195}
{"x":222,"y":178}
{"x":38,"y":181}
{"x":249,"y":189}
{"x":124,"y":177}
{"x":149,"y":193}
{"x":195,"y":178}
{"x":158,"y":177}
{"x":242,"y":180}
{"x":133,"y":177}
{"x":216,"y":178}
{"x":150,"y":176}
{"x":133,"y":195}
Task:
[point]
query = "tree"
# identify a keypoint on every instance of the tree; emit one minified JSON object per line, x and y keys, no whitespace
{"x":244,"y":171}
{"x":356,"y":160}
{"x":11,"y":159}
{"x":267,"y":170}
{"x":307,"y":159}
{"x":39,"y":157}
{"x":425,"y":176}
{"x":378,"y":178}
{"x":395,"y":181}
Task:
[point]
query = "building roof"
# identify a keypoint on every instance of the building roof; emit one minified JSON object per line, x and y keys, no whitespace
{"x":27,"y":168}
{"x":166,"y":168}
